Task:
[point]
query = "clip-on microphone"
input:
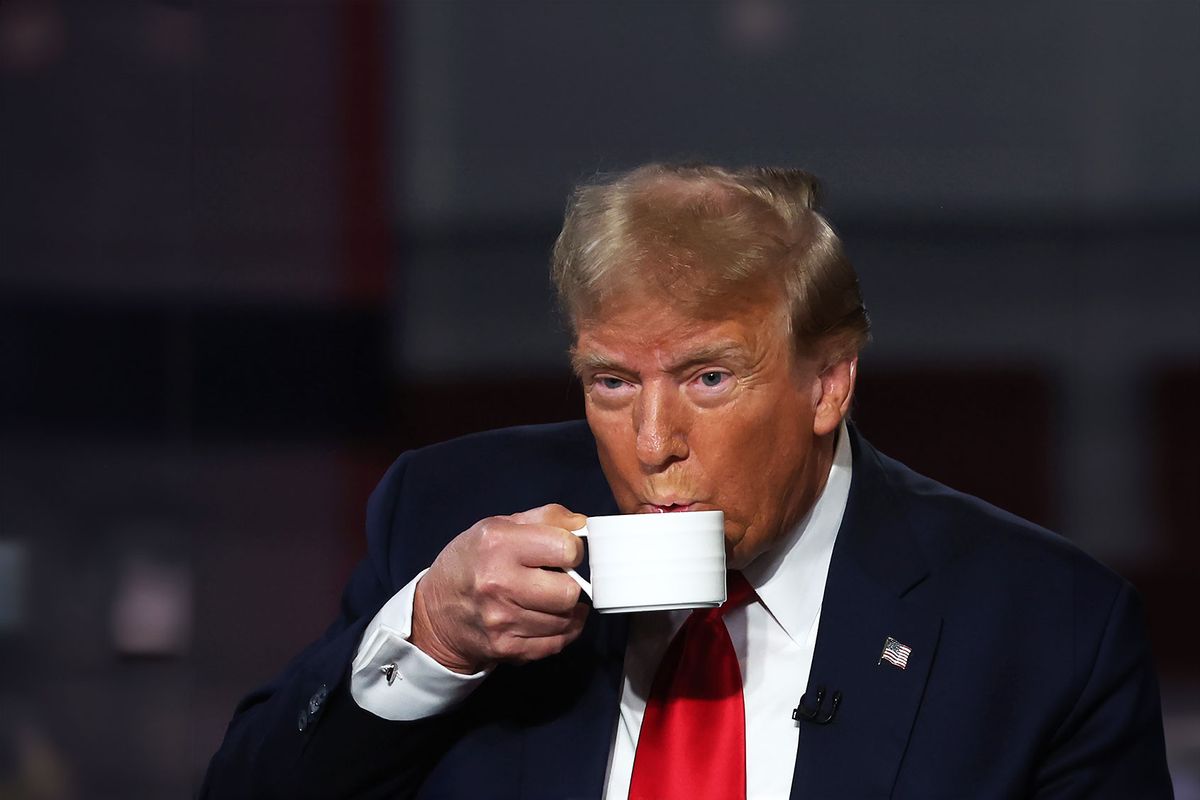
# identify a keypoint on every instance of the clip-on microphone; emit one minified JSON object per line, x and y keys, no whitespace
{"x":814,"y":715}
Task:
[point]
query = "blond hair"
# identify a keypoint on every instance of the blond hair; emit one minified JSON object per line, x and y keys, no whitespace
{"x":703,"y":233}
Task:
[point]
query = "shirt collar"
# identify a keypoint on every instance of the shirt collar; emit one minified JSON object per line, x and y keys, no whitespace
{"x":790,"y":577}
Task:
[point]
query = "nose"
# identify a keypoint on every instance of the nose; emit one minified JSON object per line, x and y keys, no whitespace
{"x":661,"y":425}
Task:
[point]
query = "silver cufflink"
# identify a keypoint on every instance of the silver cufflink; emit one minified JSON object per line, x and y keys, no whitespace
{"x":389,"y":671}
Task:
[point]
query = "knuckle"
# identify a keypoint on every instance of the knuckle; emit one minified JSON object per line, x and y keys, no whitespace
{"x":550,"y":645}
{"x":507,"y":647}
{"x":490,"y":535}
{"x":531,"y":514}
{"x":573,"y":550}
{"x":552,"y":549}
{"x":488,"y":590}
{"x":545,"y":513}
{"x":494,"y":620}
{"x":488,"y":584}
{"x":560,"y":626}
{"x":569,"y":594}
{"x":495,"y":534}
{"x":496,"y":639}
{"x":564,"y":594}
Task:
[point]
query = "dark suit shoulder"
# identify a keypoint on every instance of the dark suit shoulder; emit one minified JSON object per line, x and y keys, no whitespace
{"x":530,"y":446}
{"x":511,"y":469}
{"x":953,"y":526}
{"x":1040,"y":677}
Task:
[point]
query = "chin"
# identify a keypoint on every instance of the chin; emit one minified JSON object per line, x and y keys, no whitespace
{"x":734,"y":559}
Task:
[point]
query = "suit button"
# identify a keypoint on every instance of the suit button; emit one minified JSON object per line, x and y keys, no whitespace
{"x":302,"y":720}
{"x":318,"y":698}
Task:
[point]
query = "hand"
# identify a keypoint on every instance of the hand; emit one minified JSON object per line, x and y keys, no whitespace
{"x":487,"y":599}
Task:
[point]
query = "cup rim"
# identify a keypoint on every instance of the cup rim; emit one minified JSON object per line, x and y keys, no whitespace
{"x":676,"y":517}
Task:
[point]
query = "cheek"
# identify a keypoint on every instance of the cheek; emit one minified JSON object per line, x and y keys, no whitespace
{"x":616,"y":454}
{"x":606,"y":427}
{"x":755,"y":462}
{"x":733,"y":456}
{"x":745,"y":442}
{"x":616,"y":449}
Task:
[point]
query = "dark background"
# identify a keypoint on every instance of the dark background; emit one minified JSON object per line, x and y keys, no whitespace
{"x":250,"y":251}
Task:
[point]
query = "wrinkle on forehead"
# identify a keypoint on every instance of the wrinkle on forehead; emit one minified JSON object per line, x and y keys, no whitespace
{"x":687,"y":297}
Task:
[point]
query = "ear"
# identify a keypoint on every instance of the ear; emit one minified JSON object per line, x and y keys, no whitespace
{"x":836,"y":390}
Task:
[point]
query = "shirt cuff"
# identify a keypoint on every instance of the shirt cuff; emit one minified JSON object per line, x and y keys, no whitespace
{"x":393,"y":678}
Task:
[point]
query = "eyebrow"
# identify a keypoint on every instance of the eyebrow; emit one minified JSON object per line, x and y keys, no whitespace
{"x":727,"y":351}
{"x":590,"y":362}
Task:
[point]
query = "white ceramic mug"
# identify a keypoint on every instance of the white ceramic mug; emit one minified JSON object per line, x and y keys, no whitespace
{"x":655,"y":562}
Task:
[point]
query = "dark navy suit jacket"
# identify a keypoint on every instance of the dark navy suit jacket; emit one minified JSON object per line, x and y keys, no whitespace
{"x":1029,"y":674}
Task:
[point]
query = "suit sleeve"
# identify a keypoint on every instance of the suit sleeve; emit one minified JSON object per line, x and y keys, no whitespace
{"x":1111,"y":743}
{"x":302,"y":735}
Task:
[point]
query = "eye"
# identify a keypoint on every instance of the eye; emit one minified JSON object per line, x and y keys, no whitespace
{"x":712,"y":379}
{"x":608,"y":391}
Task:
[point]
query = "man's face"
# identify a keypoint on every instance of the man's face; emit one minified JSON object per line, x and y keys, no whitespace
{"x":693,"y":414}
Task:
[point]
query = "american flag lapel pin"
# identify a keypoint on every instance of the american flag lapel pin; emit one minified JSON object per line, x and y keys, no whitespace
{"x":895,"y":653}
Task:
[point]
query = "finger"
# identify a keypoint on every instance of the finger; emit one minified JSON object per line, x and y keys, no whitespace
{"x":506,"y":540}
{"x":538,"y":625}
{"x":543,"y":646}
{"x":547,"y":546}
{"x":547,"y":591}
{"x":553,"y":514}
{"x":522,"y":630}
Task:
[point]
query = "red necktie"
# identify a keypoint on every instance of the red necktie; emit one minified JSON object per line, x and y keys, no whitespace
{"x":692,"y":745}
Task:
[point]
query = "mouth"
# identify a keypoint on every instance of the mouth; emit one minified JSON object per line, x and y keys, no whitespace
{"x":667,"y":508}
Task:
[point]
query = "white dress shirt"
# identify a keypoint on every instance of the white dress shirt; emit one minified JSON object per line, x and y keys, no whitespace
{"x":774,"y":640}
{"x":773,"y":637}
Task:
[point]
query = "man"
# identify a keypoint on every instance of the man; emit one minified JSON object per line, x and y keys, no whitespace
{"x":898,"y":639}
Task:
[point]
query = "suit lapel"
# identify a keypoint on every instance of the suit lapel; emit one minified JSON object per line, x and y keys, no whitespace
{"x":566,"y":756}
{"x":873,"y":592}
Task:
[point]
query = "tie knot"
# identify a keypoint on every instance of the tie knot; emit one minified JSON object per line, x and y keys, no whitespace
{"x":738,"y":592}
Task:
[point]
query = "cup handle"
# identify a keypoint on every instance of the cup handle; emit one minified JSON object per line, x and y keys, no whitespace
{"x":575,"y":576}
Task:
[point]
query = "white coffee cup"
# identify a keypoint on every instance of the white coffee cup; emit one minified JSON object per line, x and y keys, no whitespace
{"x":655,"y":562}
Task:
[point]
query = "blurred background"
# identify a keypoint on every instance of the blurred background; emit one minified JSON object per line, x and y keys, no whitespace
{"x":251,"y":250}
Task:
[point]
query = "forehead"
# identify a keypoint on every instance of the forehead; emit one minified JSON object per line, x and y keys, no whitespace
{"x":687,"y":296}
{"x":671,"y":334}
